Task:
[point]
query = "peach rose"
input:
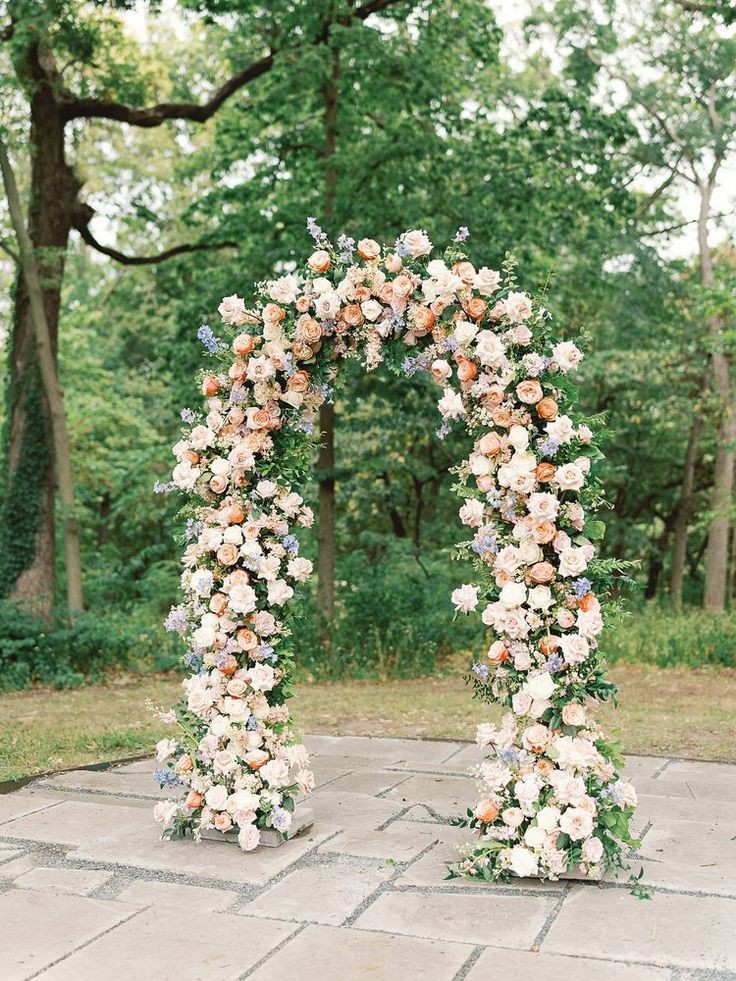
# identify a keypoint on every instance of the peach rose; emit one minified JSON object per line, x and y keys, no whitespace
{"x":237,"y":687}
{"x":536,"y":738}
{"x":210,"y":385}
{"x":422,"y":320}
{"x":529,"y":391}
{"x":543,"y":532}
{"x":465,"y":270}
{"x":352,"y":315}
{"x":218,"y":603}
{"x":503,"y":418}
{"x":403,"y":286}
{"x":233,"y":515}
{"x":256,"y":758}
{"x":393,"y":262}
{"x":223,"y":821}
{"x":573,"y":714}
{"x":298,"y":382}
{"x":368,"y":248}
{"x":184,"y":764}
{"x":228,"y":664}
{"x":497,"y":652}
{"x":302,"y":351}
{"x":237,"y":371}
{"x":490,"y":444}
{"x":191,"y":457}
{"x":246,"y":639}
{"x":548,"y":645}
{"x":484,"y":483}
{"x":218,"y":484}
{"x":273,"y":313}
{"x":310,"y":330}
{"x":362,"y":293}
{"x":542,"y":572}
{"x":260,"y":419}
{"x":547,"y":409}
{"x":227,"y":554}
{"x":486,"y":810}
{"x":476,"y":308}
{"x":243,"y":344}
{"x":302,"y":304}
{"x":319,"y":261}
{"x":588,"y":602}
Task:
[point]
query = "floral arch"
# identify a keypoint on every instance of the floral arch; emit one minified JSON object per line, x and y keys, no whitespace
{"x":551,"y":798}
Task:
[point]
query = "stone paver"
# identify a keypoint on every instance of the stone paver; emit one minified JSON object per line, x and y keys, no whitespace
{"x":173,"y":945}
{"x":38,"y":928}
{"x":499,"y":920}
{"x":145,"y":892}
{"x":79,"y":882}
{"x":686,"y":931}
{"x":321,"y":894}
{"x":363,"y":895}
{"x":324,"y":953}
{"x":516,"y":965}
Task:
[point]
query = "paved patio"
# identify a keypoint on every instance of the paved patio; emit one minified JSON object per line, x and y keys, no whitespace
{"x":87,"y":891}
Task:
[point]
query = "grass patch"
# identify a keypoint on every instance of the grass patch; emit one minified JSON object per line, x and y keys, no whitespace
{"x":668,"y":712}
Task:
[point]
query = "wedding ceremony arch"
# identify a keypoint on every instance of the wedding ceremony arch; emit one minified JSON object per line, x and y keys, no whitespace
{"x":551,"y":797}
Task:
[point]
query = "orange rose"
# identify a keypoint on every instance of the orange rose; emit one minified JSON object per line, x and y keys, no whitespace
{"x":194,"y":800}
{"x":210,"y":385}
{"x":227,"y":554}
{"x":547,"y":409}
{"x":368,"y":248}
{"x":544,"y":472}
{"x":256,"y":758}
{"x":243,"y":344}
{"x":588,"y":602}
{"x":228,"y":664}
{"x":352,"y":315}
{"x":529,"y":391}
{"x":362,"y":293}
{"x":486,"y":810}
{"x":476,"y":308}
{"x":302,"y":351}
{"x":467,"y":370}
{"x":542,"y":572}
{"x":237,"y":371}
{"x":191,"y":457}
{"x":493,"y":397}
{"x":319,"y":261}
{"x":497,"y":652}
{"x":260,"y":419}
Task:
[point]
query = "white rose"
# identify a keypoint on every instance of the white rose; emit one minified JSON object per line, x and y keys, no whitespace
{"x":416,"y":242}
{"x":523,"y":862}
{"x":279,"y":592}
{"x":465,"y":598}
{"x":575,"y":648}
{"x":540,"y":686}
{"x":300,"y":569}
{"x":242,"y":800}
{"x":487,"y":281}
{"x":260,"y":369}
{"x":372,"y":309}
{"x":242,"y":598}
{"x":560,"y":429}
{"x":216,"y":797}
{"x":262,"y":677}
{"x":326,"y":305}
{"x":535,"y":836}
{"x":451,"y":405}
{"x":548,"y":818}
{"x":164,"y":749}
{"x":573,"y":562}
{"x":513,"y":594}
{"x":185,"y":475}
{"x":275,"y":773}
{"x":249,"y":837}
{"x":489,"y":349}
{"x":567,"y":355}
{"x":569,"y":477}
{"x":577,"y":823}
{"x":285,"y":289}
{"x":519,"y":438}
{"x":165,"y":811}
{"x":232,"y":310}
{"x":441,"y":370}
{"x":543,"y":506}
{"x":471,"y":513}
{"x":540,"y":598}
{"x":465,"y":331}
{"x":517,"y":307}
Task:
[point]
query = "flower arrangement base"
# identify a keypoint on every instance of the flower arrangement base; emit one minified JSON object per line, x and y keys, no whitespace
{"x":270,"y":838}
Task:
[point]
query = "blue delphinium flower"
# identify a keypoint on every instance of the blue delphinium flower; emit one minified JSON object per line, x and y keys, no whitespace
{"x":188,"y":416}
{"x":314,"y":230}
{"x":549,"y":447}
{"x":345,"y":245}
{"x":480,"y":671}
{"x":207,"y":338}
{"x":290,"y":543}
{"x":193,"y":660}
{"x":177,"y":620}
{"x":280,"y":819}
{"x":582,"y":586}
{"x":165,"y":778}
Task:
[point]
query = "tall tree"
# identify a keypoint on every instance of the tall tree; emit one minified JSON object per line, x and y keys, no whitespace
{"x":73,"y":63}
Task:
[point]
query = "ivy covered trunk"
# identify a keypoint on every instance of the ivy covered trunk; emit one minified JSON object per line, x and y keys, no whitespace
{"x":27,"y":526}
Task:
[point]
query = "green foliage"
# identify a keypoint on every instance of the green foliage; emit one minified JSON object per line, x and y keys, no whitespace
{"x":65,"y":652}
{"x":658,"y":635}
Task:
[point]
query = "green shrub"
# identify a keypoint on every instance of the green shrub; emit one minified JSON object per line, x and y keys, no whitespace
{"x":657,"y":635}
{"x":65,"y":651}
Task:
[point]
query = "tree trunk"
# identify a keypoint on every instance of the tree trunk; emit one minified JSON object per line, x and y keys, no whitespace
{"x":716,"y":559}
{"x":27,"y":542}
{"x":684,"y":511}
{"x":52,"y":389}
{"x":326,"y":460}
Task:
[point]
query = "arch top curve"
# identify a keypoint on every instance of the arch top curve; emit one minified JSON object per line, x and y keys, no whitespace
{"x":552,"y":796}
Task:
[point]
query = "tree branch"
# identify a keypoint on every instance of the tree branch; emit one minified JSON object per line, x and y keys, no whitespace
{"x":74,"y":108}
{"x":148,"y":260}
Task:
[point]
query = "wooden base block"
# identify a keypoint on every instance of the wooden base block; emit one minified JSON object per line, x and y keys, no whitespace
{"x":270,"y":838}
